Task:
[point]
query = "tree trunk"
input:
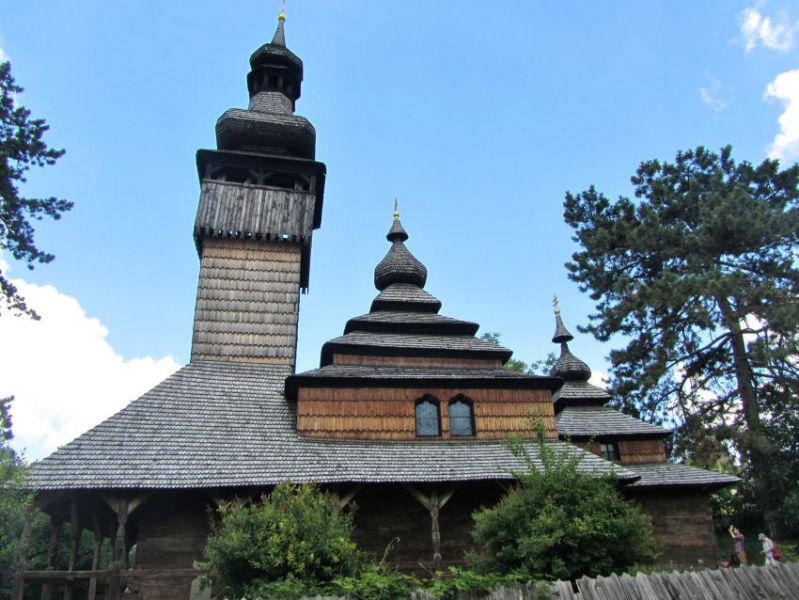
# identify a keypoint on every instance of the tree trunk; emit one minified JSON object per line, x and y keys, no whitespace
{"x":754,"y":442}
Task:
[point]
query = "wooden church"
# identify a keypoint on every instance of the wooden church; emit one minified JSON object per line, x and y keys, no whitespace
{"x":407,"y":413}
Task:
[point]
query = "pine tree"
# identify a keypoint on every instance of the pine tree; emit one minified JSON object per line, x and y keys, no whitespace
{"x":21,"y":147}
{"x":698,"y":274}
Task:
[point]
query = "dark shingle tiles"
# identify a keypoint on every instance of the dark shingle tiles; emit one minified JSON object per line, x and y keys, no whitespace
{"x":588,"y":421}
{"x":369,"y":372}
{"x":672,"y":475}
{"x":219,"y":424}
{"x":405,"y":297}
{"x":413,"y":345}
{"x":580,"y":390}
{"x":415,"y":322}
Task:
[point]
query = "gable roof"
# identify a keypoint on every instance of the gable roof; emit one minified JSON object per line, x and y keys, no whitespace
{"x":218,"y":424}
{"x":655,"y":475}
{"x":598,"y":421}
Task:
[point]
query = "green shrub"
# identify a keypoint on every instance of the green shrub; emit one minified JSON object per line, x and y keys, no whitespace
{"x":295,"y":535}
{"x":561,"y":523}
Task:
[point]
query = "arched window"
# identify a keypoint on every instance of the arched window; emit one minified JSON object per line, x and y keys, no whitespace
{"x":461,"y":416}
{"x":428,"y":417}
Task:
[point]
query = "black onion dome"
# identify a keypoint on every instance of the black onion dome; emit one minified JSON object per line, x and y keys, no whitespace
{"x":399,"y":265}
{"x":561,"y":333}
{"x":269,"y":124}
{"x":569,"y":367}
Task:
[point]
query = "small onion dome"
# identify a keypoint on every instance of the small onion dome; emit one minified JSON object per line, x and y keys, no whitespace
{"x":561,"y":333}
{"x":399,"y":265}
{"x":569,"y":367}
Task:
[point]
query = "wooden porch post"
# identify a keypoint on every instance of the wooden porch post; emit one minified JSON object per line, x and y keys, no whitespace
{"x":98,"y":543}
{"x":433,"y":502}
{"x":74,"y":530}
{"x":52,"y":555}
{"x":123,"y":506}
{"x":24,"y":546}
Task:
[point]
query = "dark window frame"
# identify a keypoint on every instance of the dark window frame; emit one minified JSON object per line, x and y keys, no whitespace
{"x":428,"y":399}
{"x":465,"y":400}
{"x":610,"y":451}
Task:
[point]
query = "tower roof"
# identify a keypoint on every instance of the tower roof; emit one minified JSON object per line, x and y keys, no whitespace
{"x":269,"y":125}
{"x":575,"y":373}
{"x":403,"y":326}
{"x":399,"y":265}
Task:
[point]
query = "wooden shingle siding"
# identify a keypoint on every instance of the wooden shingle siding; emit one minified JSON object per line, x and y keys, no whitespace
{"x":633,"y":452}
{"x":241,"y":209}
{"x":389,"y":413}
{"x":642,"y":451}
{"x":247,"y":302}
{"x":409,"y":361}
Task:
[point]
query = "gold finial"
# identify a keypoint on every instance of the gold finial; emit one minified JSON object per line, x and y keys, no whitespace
{"x":282,"y":15}
{"x":556,"y":304}
{"x":396,"y":209}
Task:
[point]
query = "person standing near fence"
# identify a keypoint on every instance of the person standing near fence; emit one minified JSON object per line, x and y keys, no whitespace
{"x":738,"y":543}
{"x":768,"y":549}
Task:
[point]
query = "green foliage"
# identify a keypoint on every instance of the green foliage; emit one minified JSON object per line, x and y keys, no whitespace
{"x":560,"y":522}
{"x":698,"y":272}
{"x":13,"y":502}
{"x":538,"y":367}
{"x":448,"y":586}
{"x":21,"y":147}
{"x":376,"y":583}
{"x":296,"y":533}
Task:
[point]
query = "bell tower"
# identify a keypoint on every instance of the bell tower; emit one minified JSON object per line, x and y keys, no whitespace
{"x":260,"y":200}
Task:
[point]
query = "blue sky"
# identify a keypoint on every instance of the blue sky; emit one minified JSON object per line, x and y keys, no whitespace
{"x":478,"y":116}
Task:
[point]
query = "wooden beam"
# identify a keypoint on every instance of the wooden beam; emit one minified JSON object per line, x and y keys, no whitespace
{"x":74,"y":531}
{"x":433,"y":502}
{"x":98,"y":544}
{"x":345,"y":497}
{"x":52,"y":555}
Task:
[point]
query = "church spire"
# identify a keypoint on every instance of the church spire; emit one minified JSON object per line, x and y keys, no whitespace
{"x":399,"y":265}
{"x":569,"y":367}
{"x":279,"y":39}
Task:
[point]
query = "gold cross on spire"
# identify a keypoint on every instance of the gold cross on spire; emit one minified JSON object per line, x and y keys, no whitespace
{"x":282,"y":15}
{"x":556,"y":304}
{"x":396,"y":209}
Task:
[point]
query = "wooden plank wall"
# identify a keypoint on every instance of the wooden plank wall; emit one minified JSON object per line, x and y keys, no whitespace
{"x":247,"y":302}
{"x":682,"y":523}
{"x":641,"y":451}
{"x":253,"y":210}
{"x":419,"y":361}
{"x":390,"y":413}
{"x":633,"y":452}
{"x":172,"y":533}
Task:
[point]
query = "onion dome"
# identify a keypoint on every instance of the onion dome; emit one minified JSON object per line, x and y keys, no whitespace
{"x":399,"y":265}
{"x":568,"y":367}
{"x":561,"y":333}
{"x":269,"y":124}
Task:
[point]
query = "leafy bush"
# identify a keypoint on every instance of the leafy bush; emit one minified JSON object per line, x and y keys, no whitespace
{"x":296,"y":535}
{"x":561,"y":523}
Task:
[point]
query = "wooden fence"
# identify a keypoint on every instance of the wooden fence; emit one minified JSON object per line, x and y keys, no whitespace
{"x":744,"y":583}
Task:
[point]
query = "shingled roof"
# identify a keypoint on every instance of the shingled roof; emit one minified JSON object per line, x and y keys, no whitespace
{"x":582,"y":422}
{"x":404,"y":319}
{"x":218,"y":424}
{"x":672,"y":475}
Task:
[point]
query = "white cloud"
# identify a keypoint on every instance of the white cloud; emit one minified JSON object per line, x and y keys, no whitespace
{"x":777,"y":34}
{"x":711,"y":94}
{"x":64,"y":374}
{"x":599,"y":379}
{"x":785,"y":88}
{"x":3,"y":55}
